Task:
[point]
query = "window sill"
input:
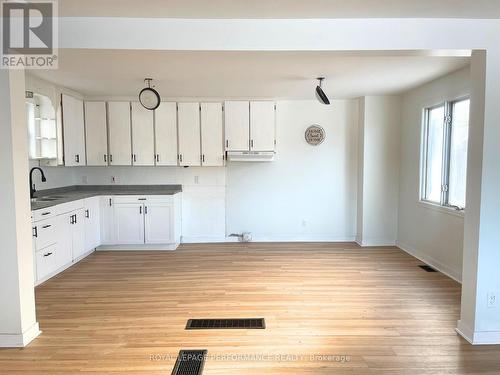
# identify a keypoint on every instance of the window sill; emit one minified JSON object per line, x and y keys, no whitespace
{"x":442,"y":209}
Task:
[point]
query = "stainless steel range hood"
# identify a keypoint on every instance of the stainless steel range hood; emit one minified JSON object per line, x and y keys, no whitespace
{"x":252,"y":156}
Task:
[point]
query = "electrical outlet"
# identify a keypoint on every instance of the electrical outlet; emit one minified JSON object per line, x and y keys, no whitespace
{"x":492,"y":300}
{"x":114,"y":180}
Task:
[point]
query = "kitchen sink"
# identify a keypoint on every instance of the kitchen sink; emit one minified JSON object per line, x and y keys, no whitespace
{"x":46,"y":199}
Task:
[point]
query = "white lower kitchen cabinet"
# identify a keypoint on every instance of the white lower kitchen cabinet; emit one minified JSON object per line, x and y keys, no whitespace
{"x":65,"y":233}
{"x":107,"y":220}
{"x":129,"y":223}
{"x":73,"y":233}
{"x":92,"y":223}
{"x":58,"y":240}
{"x":158,"y":223}
{"x":153,"y":221}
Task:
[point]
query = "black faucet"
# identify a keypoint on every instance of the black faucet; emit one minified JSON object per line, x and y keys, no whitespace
{"x":32,"y":185}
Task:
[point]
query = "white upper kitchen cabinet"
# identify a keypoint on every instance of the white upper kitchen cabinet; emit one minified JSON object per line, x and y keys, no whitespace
{"x":129,"y":223}
{"x":73,"y":131}
{"x":92,"y":223}
{"x":262,"y":126}
{"x":237,"y":125}
{"x":166,"y":134}
{"x":120,"y":141}
{"x":189,"y":134}
{"x":143,"y":147}
{"x":159,"y":223}
{"x":212,"y":142}
{"x":96,"y":133}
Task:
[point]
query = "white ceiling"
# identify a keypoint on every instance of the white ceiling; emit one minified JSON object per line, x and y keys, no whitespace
{"x":282,"y":8}
{"x":280,"y":75}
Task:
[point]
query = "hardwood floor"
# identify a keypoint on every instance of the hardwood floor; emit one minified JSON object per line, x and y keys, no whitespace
{"x":329,"y":309}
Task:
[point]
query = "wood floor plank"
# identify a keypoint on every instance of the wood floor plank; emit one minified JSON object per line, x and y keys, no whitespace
{"x":329,"y":309}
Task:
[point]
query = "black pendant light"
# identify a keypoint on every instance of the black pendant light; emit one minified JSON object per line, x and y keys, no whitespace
{"x":149,"y":97}
{"x":320,"y":94}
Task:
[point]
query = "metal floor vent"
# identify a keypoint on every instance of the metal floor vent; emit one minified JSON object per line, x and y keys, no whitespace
{"x":190,"y":362}
{"x":428,"y":268}
{"x":258,"y":323}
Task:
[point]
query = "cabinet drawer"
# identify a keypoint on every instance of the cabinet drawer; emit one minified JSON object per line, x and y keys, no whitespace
{"x":45,"y":233}
{"x":46,"y":262}
{"x":143,"y":198}
{"x":45,"y":213}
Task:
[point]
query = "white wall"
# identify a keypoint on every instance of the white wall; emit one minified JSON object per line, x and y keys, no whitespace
{"x":435,"y":236}
{"x":309,"y":192}
{"x":379,"y":170}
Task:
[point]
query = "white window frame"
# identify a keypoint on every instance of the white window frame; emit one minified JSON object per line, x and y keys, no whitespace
{"x":448,"y":120}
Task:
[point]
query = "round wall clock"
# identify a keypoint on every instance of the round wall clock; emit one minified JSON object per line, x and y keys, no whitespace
{"x":149,"y":97}
{"x":315,"y":135}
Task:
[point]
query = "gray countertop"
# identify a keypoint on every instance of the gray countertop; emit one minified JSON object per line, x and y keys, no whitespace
{"x":77,"y":192}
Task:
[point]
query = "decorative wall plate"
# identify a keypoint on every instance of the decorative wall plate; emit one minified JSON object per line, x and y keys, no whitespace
{"x":315,"y":135}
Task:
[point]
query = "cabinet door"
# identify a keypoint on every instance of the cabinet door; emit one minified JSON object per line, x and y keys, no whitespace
{"x":65,"y":239}
{"x":189,"y":134}
{"x":92,"y":224}
{"x":107,"y":223}
{"x":78,"y":234}
{"x":237,"y":125}
{"x":262,"y":126}
{"x":120,"y":142}
{"x":166,"y":134}
{"x":143,"y":148}
{"x":212,"y":146}
{"x":129,"y":223}
{"x":96,"y":133}
{"x":159,"y":222}
{"x":73,"y":130}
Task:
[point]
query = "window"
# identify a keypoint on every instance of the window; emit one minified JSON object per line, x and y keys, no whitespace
{"x":444,"y":154}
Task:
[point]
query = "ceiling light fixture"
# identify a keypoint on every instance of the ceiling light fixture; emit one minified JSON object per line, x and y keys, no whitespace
{"x":149,"y":97}
{"x":320,"y":94}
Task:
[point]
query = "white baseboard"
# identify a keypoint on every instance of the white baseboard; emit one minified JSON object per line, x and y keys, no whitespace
{"x":375,"y":242}
{"x":268,"y":239}
{"x":443,"y":268}
{"x":478,"y":337}
{"x":202,"y":239}
{"x":20,"y":340}
{"x":140,"y":247}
